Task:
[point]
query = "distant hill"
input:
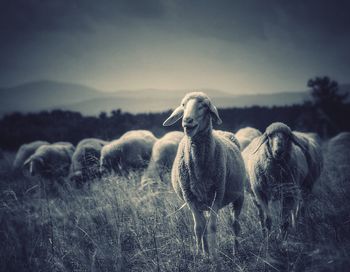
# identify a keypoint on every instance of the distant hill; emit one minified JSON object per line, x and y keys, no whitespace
{"x":41,"y":95}
{"x":47,"y":95}
{"x":155,"y":103}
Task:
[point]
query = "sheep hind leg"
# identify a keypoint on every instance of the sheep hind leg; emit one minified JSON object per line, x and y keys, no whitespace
{"x":211,"y":232}
{"x":237,"y":208}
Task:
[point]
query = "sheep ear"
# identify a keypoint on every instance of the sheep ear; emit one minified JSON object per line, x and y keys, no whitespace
{"x":296,"y":141}
{"x":214,"y":112}
{"x":174,"y":117}
{"x":263,"y":139}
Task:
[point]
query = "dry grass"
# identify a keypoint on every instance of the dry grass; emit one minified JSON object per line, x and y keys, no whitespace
{"x":116,"y":226}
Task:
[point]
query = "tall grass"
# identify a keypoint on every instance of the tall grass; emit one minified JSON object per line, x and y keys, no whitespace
{"x":114,"y":225}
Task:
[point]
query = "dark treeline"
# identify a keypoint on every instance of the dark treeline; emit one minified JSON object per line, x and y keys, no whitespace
{"x":327,"y":113}
{"x":59,"y":125}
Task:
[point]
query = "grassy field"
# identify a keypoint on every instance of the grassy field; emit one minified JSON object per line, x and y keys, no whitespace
{"x":117,"y":226}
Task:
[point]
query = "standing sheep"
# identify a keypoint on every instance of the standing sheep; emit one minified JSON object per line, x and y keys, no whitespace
{"x":86,"y":160}
{"x":132,"y":151}
{"x":163,"y":155}
{"x":208,"y":172}
{"x":24,"y":152}
{"x":246,"y":135}
{"x":51,"y":161}
{"x":282,"y":165}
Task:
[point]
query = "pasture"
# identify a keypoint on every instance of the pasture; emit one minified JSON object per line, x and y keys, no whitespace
{"x":114,"y":225}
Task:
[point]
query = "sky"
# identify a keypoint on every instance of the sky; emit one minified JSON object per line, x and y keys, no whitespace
{"x":249,"y":46}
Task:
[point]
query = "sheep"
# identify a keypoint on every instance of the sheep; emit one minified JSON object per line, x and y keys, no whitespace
{"x":338,"y":151}
{"x":86,"y":160}
{"x":313,"y":153}
{"x":132,"y":151}
{"x":163,"y":155}
{"x":246,"y":135}
{"x":51,"y":161}
{"x":24,"y":152}
{"x":282,"y":165}
{"x":208,"y":172}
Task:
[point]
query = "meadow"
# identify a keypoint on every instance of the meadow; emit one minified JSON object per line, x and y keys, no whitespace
{"x":115,"y":225}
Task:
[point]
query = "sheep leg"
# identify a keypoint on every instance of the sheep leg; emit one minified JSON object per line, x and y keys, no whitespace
{"x":288,"y":204}
{"x":200,"y":230}
{"x":212,"y":245}
{"x":264,"y":212}
{"x":237,"y":208}
{"x":261,"y":217}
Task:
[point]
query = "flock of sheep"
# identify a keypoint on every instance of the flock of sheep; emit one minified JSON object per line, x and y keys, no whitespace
{"x":208,"y":169}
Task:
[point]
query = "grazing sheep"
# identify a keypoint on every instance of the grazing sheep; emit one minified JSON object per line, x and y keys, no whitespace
{"x":208,"y":172}
{"x":86,"y":160}
{"x":51,"y":161}
{"x":282,"y":165}
{"x":338,"y":151}
{"x":132,"y":151}
{"x":246,"y":135}
{"x":163,"y":155}
{"x":24,"y":152}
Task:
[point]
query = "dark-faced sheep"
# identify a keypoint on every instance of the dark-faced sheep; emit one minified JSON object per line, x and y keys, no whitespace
{"x":282,"y":165}
{"x":86,"y":161}
{"x":130,"y":152}
{"x":208,"y":172}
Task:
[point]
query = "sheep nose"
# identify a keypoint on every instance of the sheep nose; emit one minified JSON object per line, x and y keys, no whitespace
{"x":188,"y":120}
{"x":278,"y":152}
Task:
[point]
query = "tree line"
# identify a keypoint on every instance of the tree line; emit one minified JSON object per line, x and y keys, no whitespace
{"x":327,"y":114}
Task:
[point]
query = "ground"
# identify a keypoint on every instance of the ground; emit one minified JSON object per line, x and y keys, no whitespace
{"x":116,"y":226}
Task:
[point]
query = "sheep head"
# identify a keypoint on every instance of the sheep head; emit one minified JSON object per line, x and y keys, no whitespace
{"x":279,"y":138}
{"x":196,"y":111}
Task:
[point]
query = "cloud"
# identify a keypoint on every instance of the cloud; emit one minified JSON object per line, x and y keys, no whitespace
{"x":58,"y":38}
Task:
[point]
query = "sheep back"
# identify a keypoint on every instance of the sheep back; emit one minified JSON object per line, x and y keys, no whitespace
{"x":246,"y":135}
{"x":132,"y":150}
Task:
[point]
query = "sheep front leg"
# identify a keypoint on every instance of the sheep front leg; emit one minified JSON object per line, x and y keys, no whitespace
{"x":237,"y":207}
{"x":212,"y":245}
{"x":262,"y":204}
{"x":288,"y":204}
{"x":200,"y":230}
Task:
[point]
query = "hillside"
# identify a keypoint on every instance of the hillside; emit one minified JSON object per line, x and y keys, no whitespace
{"x":47,"y":95}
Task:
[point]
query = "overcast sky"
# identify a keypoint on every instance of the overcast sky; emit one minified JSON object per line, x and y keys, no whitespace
{"x":236,"y":46}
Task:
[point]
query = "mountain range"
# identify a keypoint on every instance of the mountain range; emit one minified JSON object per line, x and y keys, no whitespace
{"x":48,"y":95}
